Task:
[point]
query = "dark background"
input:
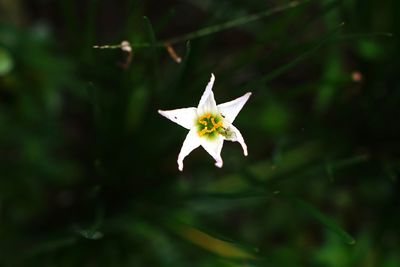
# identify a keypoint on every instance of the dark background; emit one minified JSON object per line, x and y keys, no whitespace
{"x":88,"y":173}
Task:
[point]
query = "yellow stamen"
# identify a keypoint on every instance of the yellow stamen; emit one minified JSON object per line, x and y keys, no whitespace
{"x":216,"y":125}
{"x":205,"y":120}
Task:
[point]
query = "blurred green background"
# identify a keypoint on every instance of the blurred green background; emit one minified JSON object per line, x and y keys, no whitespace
{"x":88,"y":173}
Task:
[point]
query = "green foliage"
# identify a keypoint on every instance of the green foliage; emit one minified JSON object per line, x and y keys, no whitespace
{"x":88,"y":173}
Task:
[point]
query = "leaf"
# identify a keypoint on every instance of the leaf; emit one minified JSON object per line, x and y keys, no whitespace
{"x":6,"y":62}
{"x":235,"y":22}
{"x":223,"y":26}
{"x":150,"y":31}
{"x":213,"y":244}
{"x":322,"y":218}
{"x":238,"y":195}
{"x":51,"y":245}
{"x":288,"y":162}
{"x":176,"y":80}
{"x":153,"y":45}
{"x":215,"y":28}
{"x":279,"y":71}
{"x":186,"y":57}
{"x":350,"y":161}
{"x":184,"y":64}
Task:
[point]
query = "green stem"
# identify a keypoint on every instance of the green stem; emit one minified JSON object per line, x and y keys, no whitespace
{"x":212,"y":29}
{"x":232,"y":23}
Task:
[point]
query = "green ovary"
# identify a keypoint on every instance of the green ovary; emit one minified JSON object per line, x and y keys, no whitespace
{"x":209,"y":125}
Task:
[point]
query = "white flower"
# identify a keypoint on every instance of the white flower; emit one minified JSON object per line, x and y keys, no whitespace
{"x":209,"y":124}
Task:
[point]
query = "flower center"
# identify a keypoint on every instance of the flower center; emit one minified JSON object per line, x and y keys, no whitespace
{"x":209,"y":125}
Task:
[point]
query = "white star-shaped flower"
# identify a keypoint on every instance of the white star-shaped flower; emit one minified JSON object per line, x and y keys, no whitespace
{"x":209,"y":124}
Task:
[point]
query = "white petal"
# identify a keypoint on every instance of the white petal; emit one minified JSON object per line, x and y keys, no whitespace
{"x":207,"y":102}
{"x":231,"y":109}
{"x":236,"y":136}
{"x":214,"y":147}
{"x":185,"y":117}
{"x":191,"y":142}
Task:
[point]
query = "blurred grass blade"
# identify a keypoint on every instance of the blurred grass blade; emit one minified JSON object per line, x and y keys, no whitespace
{"x":90,"y":30}
{"x":289,"y":162}
{"x":350,"y":161}
{"x":279,"y":71}
{"x":51,"y":246}
{"x":234,"y":23}
{"x":68,"y":13}
{"x":165,"y":20}
{"x":329,"y":170}
{"x":184,"y":64}
{"x":6,"y":62}
{"x":356,"y":36}
{"x":153,"y":45}
{"x":322,"y":218}
{"x":215,"y":28}
{"x":176,"y":81}
{"x":185,"y":60}
{"x":215,"y":245}
{"x":306,"y":25}
{"x":330,"y":167}
{"x":389,"y":171}
{"x":94,"y":98}
{"x":150,"y":32}
{"x":239,"y":195}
